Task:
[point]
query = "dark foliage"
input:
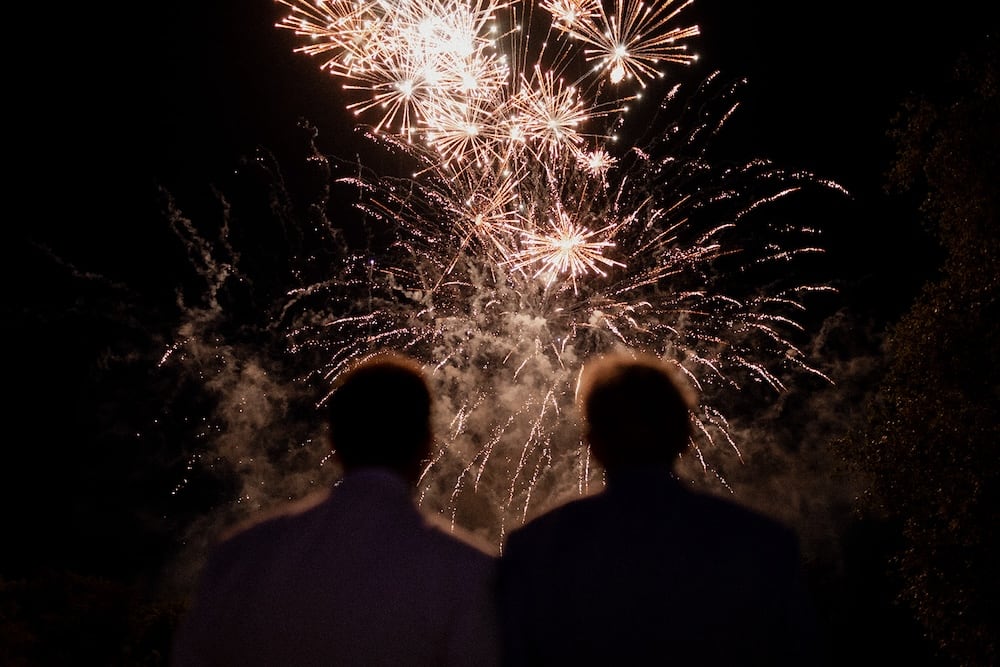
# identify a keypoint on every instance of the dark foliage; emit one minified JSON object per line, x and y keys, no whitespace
{"x":931,"y":433}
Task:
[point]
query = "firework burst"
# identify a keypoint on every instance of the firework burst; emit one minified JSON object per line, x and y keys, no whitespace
{"x":530,"y":240}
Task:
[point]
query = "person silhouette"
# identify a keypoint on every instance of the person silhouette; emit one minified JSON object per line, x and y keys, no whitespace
{"x":358,"y":575}
{"x":647,"y":571}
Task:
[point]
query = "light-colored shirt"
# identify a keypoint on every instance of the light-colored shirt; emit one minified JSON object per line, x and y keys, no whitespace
{"x":363,"y":577}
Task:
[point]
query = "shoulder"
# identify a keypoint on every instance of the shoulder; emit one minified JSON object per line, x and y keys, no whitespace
{"x":578,"y":516}
{"x":458,"y":540}
{"x":731,"y":513}
{"x":725,"y":525}
{"x":268,"y":526}
{"x":674,"y":510}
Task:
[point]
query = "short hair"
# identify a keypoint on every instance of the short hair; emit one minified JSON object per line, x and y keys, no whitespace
{"x":379,"y":412}
{"x":636,"y":409}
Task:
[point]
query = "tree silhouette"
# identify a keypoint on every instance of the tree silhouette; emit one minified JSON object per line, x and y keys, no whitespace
{"x":931,"y":432}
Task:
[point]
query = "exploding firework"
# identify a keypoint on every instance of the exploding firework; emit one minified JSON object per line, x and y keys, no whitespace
{"x":529,"y":238}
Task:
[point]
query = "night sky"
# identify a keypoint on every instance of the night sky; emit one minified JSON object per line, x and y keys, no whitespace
{"x":176,"y":99}
{"x":130,"y":101}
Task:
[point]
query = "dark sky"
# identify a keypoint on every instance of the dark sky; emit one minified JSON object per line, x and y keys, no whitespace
{"x":176,"y":97}
{"x":218,"y":76}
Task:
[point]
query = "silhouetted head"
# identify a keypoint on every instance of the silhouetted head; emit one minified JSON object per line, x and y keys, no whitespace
{"x":379,"y":415}
{"x":636,"y":410}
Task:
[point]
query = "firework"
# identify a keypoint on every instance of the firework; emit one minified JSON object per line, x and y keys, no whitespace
{"x":530,"y":238}
{"x":630,"y":42}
